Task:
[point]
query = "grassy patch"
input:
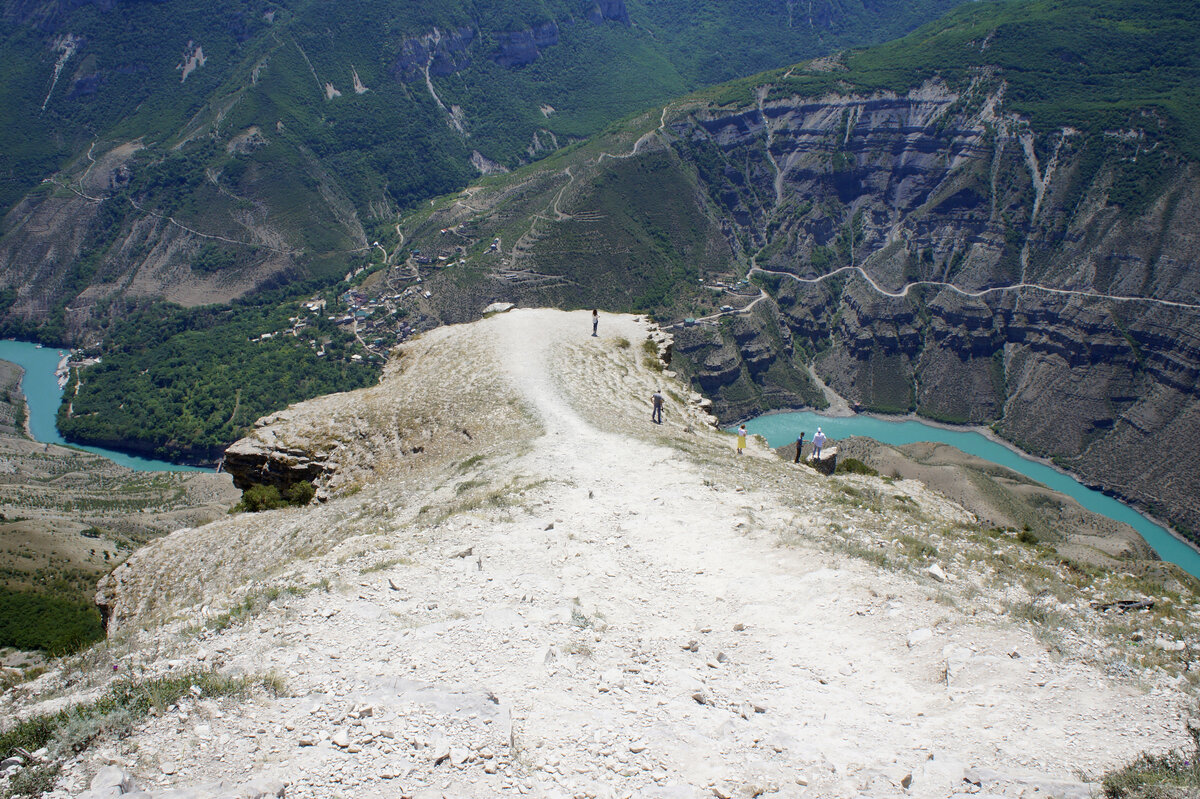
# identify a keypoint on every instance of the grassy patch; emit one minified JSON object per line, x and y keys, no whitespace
{"x":252,"y":604}
{"x":74,"y":729}
{"x":1174,"y":775}
{"x":384,"y":565}
{"x":854,"y":466}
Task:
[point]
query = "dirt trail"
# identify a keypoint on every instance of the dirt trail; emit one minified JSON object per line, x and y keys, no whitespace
{"x":621,"y":620}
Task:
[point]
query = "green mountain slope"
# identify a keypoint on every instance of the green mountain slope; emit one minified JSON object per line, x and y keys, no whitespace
{"x":289,"y":134}
{"x":970,"y":223}
{"x":200,"y":152}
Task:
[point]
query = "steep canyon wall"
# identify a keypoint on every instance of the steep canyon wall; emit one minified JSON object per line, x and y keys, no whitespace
{"x":926,"y":253}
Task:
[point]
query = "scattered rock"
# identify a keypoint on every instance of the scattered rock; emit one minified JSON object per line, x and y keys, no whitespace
{"x":935,"y":571}
{"x":113,"y":777}
{"x":919,"y":637}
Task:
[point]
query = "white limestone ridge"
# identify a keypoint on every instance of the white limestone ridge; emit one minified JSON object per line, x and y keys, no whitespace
{"x":532,"y":589}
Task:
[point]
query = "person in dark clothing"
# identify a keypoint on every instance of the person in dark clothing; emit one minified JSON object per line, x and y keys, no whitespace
{"x":656,"y":401}
{"x":799,"y":446}
{"x":595,"y":320}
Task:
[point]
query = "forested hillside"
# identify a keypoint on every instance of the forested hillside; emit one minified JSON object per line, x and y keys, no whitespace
{"x":193,"y":151}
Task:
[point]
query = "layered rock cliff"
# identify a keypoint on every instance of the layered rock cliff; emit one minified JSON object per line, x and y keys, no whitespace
{"x":925,"y":251}
{"x":972,"y":285}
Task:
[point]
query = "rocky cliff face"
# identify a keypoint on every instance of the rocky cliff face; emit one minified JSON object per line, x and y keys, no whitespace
{"x":921,"y":252}
{"x":987,"y":274}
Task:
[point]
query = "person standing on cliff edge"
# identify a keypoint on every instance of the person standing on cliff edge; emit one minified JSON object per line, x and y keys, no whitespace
{"x":656,"y":402}
{"x":818,"y":442}
{"x":799,"y":446}
{"x":741,"y":434}
{"x":595,"y":320}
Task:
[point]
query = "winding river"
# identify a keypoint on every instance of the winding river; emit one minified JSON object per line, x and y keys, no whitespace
{"x":781,"y":428}
{"x":43,"y":396}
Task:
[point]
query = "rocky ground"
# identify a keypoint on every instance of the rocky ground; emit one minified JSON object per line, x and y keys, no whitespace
{"x":522,"y":586}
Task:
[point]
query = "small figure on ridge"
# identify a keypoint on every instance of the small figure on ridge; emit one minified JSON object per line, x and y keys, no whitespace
{"x":818,"y":442}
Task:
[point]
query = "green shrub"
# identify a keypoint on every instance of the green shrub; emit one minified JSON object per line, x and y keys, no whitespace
{"x":1026,"y":536}
{"x":1174,"y":775}
{"x":854,"y":466}
{"x":74,"y":728}
{"x":33,"y":780}
{"x":259,"y":497}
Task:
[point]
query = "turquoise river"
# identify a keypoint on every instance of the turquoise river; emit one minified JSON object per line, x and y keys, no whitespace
{"x":43,"y":396}
{"x":782,"y":428}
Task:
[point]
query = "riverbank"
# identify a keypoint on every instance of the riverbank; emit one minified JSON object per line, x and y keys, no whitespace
{"x":899,"y":430}
{"x":42,"y":389}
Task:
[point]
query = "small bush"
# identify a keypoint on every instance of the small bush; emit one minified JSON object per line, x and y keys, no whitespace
{"x":622,"y":343}
{"x":1175,"y":775}
{"x":33,"y":780}
{"x":259,"y":497}
{"x":854,"y":466}
{"x":1026,"y":536}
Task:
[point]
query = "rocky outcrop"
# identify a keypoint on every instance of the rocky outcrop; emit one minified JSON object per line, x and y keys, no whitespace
{"x":263,"y":459}
{"x":613,"y":10}
{"x":744,"y":363}
{"x":518,"y":48}
{"x":443,"y":52}
{"x":1002,"y":498}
